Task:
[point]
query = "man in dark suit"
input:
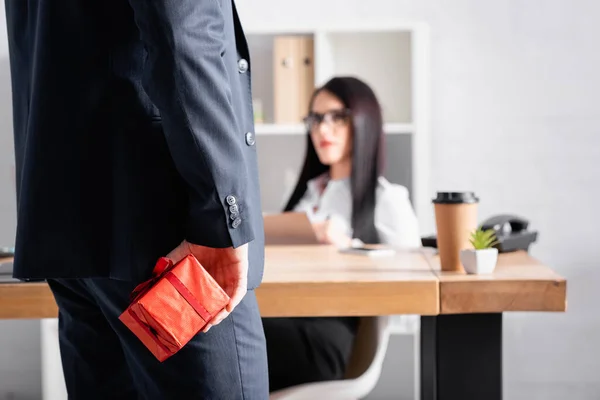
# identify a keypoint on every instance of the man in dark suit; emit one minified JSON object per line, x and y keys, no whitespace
{"x":134,"y":139}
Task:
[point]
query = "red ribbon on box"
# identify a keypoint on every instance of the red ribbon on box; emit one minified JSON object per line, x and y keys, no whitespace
{"x":163,"y":265}
{"x":162,"y":269}
{"x":166,"y":317}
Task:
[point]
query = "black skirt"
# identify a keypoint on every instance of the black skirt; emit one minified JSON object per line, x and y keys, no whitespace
{"x":303,"y":350}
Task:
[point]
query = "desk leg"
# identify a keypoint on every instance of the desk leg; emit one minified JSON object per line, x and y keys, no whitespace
{"x":461,"y":357}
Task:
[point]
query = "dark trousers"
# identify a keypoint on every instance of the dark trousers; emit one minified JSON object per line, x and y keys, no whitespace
{"x":304,"y":350}
{"x":102,"y":359}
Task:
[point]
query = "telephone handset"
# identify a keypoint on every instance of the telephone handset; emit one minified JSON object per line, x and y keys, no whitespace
{"x":505,"y":224}
{"x":512,"y":233}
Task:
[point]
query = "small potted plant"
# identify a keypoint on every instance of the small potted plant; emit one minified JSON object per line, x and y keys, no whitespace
{"x":482,"y":258}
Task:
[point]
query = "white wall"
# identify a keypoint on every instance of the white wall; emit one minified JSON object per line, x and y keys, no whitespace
{"x":515,"y":118}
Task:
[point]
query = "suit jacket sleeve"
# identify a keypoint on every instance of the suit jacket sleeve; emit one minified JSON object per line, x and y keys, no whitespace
{"x":186,"y":78}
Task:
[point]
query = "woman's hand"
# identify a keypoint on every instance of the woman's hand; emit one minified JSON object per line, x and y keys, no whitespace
{"x":331,"y":232}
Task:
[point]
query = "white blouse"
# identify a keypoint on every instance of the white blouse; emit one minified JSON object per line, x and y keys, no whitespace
{"x":395,"y":219}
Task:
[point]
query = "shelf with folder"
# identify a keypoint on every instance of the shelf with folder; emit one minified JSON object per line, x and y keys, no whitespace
{"x":391,"y":55}
{"x":382,"y":58}
{"x":298,"y":129}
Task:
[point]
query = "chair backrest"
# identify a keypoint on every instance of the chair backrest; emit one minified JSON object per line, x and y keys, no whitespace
{"x":370,"y":346}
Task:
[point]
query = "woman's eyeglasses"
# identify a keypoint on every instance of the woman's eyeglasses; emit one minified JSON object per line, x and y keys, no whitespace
{"x":332,"y":118}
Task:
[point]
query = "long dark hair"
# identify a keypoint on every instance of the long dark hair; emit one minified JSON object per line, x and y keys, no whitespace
{"x":367,"y":133}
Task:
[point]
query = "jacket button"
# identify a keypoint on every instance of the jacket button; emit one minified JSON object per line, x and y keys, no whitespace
{"x":236,"y":223}
{"x":234,"y":209}
{"x":230,"y":200}
{"x":242,"y":65}
{"x":250,"y":140}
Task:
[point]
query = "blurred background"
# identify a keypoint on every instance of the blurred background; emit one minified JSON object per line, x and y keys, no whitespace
{"x":499,"y":96}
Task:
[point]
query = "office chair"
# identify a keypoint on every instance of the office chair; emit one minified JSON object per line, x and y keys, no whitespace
{"x":363,"y":371}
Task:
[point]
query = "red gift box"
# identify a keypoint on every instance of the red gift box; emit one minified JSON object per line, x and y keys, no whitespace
{"x":173,"y":306}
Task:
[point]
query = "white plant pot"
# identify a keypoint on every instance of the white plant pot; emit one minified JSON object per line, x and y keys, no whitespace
{"x":479,"y":261}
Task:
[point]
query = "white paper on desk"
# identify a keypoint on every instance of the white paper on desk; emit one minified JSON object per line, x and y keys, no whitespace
{"x":288,"y":228}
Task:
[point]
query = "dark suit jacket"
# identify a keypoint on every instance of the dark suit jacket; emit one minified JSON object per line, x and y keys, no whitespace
{"x":133,"y":130}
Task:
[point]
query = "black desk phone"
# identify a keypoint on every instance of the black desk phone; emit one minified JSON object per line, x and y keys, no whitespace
{"x":512,"y":233}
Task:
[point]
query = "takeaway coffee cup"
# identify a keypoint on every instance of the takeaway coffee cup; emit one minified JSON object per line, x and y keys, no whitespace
{"x":455,"y":218}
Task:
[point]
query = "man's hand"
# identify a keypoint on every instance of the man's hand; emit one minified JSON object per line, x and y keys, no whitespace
{"x":228,"y":266}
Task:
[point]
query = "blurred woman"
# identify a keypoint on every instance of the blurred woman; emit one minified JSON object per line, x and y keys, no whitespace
{"x":348,"y":201}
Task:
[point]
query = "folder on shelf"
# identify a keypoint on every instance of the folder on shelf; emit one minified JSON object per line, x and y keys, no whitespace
{"x":294,"y":76}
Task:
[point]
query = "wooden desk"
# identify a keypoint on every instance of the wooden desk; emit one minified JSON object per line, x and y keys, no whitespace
{"x":465,"y":340}
{"x":298,"y":281}
{"x":519,"y":283}
{"x":461,"y":323}
{"x":319,"y":281}
{"x":26,"y":301}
